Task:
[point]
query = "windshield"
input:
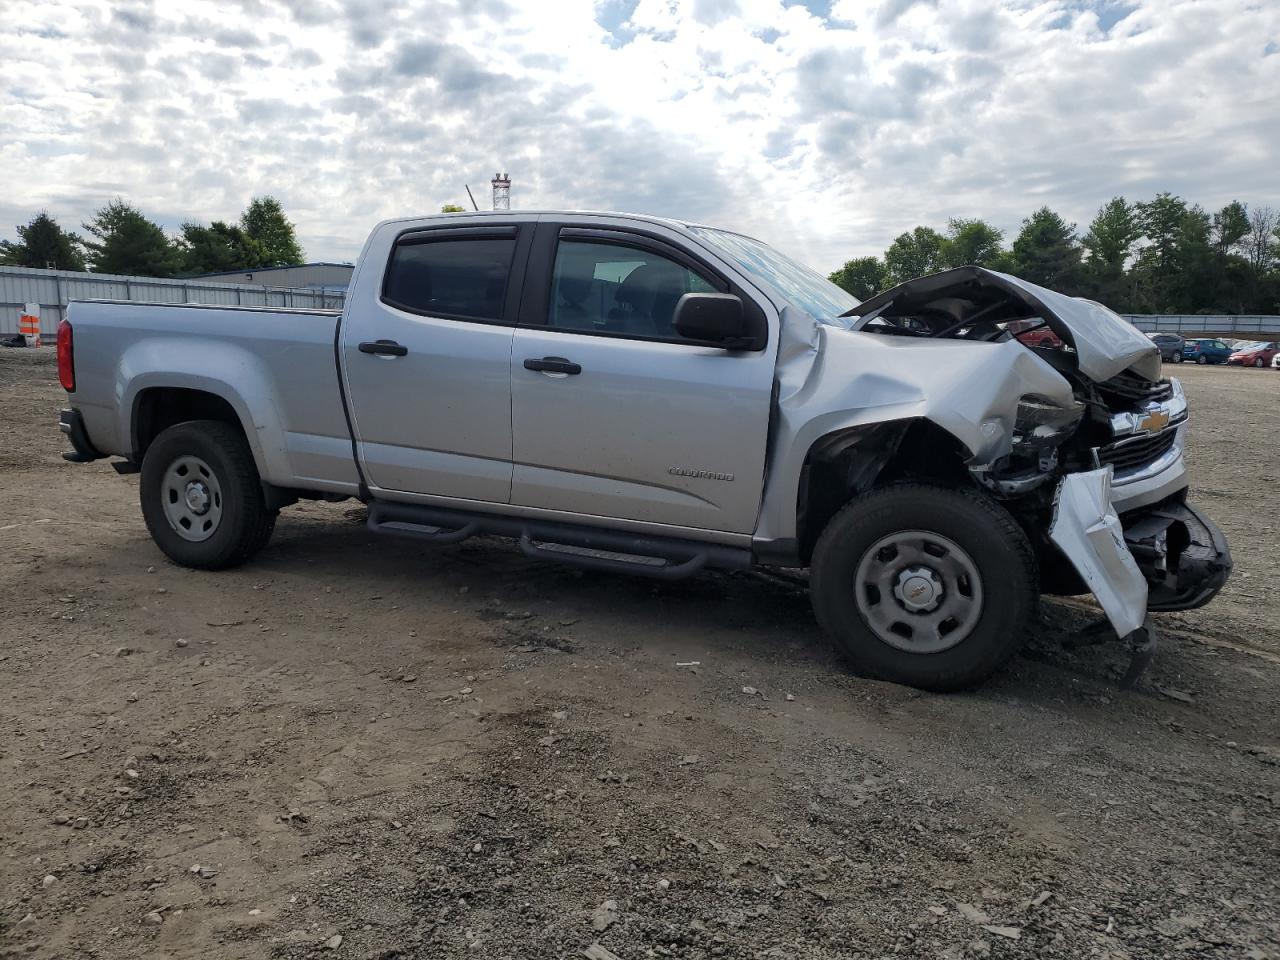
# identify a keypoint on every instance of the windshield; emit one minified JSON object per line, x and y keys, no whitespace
{"x":802,"y":287}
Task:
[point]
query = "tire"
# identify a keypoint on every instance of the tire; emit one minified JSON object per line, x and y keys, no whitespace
{"x":986,"y":538}
{"x":219,"y":519}
{"x":1177,"y":358}
{"x":1259,"y":363}
{"x":1202,"y":359}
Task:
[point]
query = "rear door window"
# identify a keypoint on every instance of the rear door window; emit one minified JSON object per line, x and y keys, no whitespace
{"x":459,"y":278}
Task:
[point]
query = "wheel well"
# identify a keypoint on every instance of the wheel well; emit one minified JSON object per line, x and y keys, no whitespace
{"x":846,"y":463}
{"x":159,"y":408}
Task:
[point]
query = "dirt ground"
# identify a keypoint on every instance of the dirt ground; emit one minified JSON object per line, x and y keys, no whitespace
{"x":366,"y":747}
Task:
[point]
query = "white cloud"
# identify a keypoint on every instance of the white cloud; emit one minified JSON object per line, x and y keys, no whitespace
{"x":825,"y":128}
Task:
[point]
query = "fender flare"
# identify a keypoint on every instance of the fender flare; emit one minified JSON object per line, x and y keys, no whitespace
{"x":180,"y":363}
{"x":782,"y":496}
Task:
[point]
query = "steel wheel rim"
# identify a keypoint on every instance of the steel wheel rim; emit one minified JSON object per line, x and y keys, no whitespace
{"x":192,"y":498}
{"x":914,"y":611}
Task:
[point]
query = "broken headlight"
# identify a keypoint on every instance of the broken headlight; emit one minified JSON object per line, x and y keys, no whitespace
{"x":1042,"y":423}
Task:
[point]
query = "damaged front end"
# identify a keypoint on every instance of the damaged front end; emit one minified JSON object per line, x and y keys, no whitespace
{"x":1097,"y":479}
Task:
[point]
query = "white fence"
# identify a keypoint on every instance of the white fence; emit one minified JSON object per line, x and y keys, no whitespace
{"x":53,"y":289}
{"x":1196,"y":324}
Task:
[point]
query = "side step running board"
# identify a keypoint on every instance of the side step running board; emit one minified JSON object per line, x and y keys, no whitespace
{"x":590,"y":547}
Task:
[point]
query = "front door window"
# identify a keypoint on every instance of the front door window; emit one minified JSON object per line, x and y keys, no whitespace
{"x":610,"y":288}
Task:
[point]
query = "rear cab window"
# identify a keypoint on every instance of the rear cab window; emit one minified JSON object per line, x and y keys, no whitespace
{"x":459,"y":275}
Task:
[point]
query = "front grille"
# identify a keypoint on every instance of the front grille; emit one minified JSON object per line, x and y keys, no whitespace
{"x":1129,"y":391}
{"x":1133,"y":453}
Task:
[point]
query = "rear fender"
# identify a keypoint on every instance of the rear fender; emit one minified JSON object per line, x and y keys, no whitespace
{"x":223,"y":369}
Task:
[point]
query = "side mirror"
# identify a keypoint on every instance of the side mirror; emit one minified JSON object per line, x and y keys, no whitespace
{"x":713,"y":318}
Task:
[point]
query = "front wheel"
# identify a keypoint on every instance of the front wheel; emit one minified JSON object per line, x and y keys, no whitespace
{"x":202,"y":498}
{"x":1202,"y":359}
{"x":924,"y":585}
{"x":1259,"y":363}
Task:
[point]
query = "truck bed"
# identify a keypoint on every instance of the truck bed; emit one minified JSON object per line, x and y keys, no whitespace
{"x":271,"y":359}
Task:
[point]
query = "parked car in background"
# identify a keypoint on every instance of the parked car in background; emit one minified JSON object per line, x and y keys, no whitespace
{"x":1034,"y":333}
{"x":1170,"y":346}
{"x":1206,"y":351}
{"x":1255,"y":354}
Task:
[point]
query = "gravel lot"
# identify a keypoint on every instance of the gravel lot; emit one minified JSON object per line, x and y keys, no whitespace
{"x":365,"y":747}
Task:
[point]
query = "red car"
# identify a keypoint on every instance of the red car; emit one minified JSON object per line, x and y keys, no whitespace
{"x":1034,"y":333}
{"x":1255,"y":354}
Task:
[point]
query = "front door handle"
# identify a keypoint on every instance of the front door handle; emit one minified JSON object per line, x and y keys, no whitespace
{"x":553,"y":365}
{"x":384,"y":348}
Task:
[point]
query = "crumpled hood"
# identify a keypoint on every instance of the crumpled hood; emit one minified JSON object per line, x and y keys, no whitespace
{"x":1105,"y":343}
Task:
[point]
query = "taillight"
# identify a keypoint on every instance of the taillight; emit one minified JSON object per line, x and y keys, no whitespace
{"x":66,"y":358}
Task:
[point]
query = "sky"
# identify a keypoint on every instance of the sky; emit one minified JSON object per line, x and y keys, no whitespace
{"x":825,"y":128}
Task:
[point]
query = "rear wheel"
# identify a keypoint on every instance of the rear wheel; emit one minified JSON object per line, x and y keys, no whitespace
{"x":1176,"y":358}
{"x":924,"y":585}
{"x":1202,"y":359}
{"x":202,"y":498}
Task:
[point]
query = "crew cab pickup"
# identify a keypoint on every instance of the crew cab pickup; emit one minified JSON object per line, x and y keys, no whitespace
{"x":637,"y":394}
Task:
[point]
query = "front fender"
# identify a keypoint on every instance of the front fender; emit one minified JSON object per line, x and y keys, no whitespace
{"x":831,"y":379}
{"x":217,"y":367}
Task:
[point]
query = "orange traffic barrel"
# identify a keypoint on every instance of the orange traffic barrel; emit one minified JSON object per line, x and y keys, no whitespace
{"x":29,"y":324}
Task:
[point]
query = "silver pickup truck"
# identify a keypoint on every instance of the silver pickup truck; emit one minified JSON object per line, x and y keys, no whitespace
{"x":636,"y":394}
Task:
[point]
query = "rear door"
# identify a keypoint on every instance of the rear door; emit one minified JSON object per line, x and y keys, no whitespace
{"x":426,"y":349}
{"x":613,"y":414}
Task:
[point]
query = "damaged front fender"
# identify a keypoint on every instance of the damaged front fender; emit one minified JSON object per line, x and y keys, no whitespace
{"x":831,"y":381}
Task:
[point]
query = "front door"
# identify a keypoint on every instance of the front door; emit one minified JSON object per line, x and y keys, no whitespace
{"x":426,"y":361}
{"x":613,"y":415}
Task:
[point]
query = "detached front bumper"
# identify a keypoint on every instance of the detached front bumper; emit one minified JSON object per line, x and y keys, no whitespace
{"x":1163,"y":557}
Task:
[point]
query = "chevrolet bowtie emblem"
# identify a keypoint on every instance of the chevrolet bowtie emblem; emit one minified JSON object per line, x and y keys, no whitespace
{"x":1154,"y":422}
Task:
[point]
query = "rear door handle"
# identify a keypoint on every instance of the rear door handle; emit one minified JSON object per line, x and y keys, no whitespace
{"x":553,"y":365}
{"x":384,"y":348}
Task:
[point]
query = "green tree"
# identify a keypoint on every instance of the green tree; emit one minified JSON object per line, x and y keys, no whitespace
{"x":1046,"y":252}
{"x":264,"y":222}
{"x":43,"y":243}
{"x":1109,"y":245}
{"x":970,"y":242}
{"x":913,"y":255}
{"x":127,"y":242}
{"x":1230,"y":228}
{"x":1232,"y":281}
{"x":1160,"y":220}
{"x":1199,"y":272}
{"x":453,"y":208}
{"x":1263,"y":241}
{"x":1174,"y":271}
{"x":863,"y":277}
{"x":217,"y":248}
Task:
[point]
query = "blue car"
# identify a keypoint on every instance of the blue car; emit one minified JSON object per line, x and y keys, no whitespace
{"x":1205,"y":351}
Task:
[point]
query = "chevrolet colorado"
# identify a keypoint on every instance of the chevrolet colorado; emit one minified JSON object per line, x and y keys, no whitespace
{"x":638,"y":394}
